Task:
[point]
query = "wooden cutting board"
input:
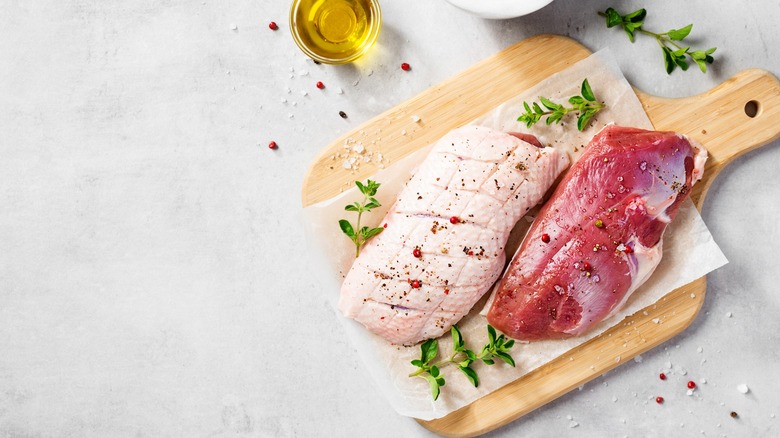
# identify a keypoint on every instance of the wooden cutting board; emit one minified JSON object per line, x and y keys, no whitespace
{"x":739,"y":115}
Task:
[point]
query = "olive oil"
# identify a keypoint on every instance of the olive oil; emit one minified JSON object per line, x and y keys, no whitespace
{"x":335,"y":31}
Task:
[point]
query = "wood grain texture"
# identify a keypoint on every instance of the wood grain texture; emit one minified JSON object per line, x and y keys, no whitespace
{"x":716,"y":118}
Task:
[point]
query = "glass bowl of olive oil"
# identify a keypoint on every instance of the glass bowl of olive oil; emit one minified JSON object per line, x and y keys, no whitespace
{"x":335,"y":31}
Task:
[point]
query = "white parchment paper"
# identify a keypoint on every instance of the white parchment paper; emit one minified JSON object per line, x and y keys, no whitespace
{"x":689,"y":250}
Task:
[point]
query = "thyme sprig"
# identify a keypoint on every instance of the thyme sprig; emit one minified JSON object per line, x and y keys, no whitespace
{"x":675,"y":55}
{"x":585,"y":105}
{"x":461,"y":357}
{"x":361,"y":234}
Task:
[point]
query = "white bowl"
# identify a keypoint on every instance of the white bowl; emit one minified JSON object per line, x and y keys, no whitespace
{"x":499,"y":9}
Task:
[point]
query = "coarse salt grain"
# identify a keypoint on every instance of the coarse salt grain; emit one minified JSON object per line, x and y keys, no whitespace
{"x":233,"y":26}
{"x":339,"y":90}
{"x":415,"y":118}
{"x":638,"y":358}
{"x":743,"y":388}
{"x":656,"y":320}
{"x":699,"y":350}
{"x":728,"y":314}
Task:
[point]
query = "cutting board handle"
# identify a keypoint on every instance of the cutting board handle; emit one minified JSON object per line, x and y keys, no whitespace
{"x":739,"y":115}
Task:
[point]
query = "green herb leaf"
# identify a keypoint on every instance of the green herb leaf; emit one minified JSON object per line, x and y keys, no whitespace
{"x":613,"y":18}
{"x":491,"y":334}
{"x":346,"y":228}
{"x":582,"y":121}
{"x":669,"y":60}
{"x":457,"y":338}
{"x":630,"y":28}
{"x":637,"y":16}
{"x":577,"y":100}
{"x":361,"y":187}
{"x":549,"y":104}
{"x":372,"y":232}
{"x":679,"y":34}
{"x":429,"y":350}
{"x":471,"y":374}
{"x":505,"y":357}
{"x":372,"y":187}
{"x":587,"y":93}
{"x":434,"y":385}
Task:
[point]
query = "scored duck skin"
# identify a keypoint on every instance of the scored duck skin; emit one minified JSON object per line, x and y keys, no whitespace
{"x":482,"y":180}
{"x":599,"y":237}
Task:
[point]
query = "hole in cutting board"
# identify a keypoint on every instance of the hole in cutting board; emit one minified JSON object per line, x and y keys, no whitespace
{"x":752,"y":108}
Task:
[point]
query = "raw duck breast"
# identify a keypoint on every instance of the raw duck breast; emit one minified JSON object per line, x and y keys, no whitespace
{"x":598,"y":238}
{"x":457,"y":210}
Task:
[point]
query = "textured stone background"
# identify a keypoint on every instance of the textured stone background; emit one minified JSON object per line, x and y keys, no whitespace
{"x":152,"y":279}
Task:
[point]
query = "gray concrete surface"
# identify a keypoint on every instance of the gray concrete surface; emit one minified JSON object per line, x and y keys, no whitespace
{"x":151,"y":272}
